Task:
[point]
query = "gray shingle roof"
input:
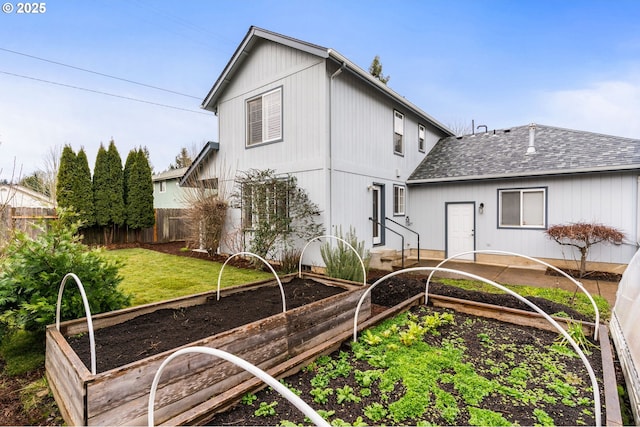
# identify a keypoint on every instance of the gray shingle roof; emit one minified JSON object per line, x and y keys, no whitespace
{"x":504,"y":154}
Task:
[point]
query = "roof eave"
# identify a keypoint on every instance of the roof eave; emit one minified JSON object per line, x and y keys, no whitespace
{"x":531,"y":174}
{"x":209,"y":148}
{"x":368,"y":78}
{"x":210,"y":101}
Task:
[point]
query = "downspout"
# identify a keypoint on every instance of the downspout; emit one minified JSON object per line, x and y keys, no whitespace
{"x":330,"y":165}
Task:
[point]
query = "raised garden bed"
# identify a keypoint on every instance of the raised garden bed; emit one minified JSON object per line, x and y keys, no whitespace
{"x":258,"y":331}
{"x":504,"y":381}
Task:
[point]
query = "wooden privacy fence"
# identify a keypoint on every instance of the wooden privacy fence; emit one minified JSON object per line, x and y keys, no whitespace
{"x":170,"y":226}
{"x":23,"y":219}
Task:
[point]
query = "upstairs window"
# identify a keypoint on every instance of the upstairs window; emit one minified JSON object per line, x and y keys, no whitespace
{"x":398,"y":132}
{"x":398,"y":199}
{"x":421,"y":137}
{"x":264,"y":118}
{"x":522,"y":208}
{"x":163,"y":186}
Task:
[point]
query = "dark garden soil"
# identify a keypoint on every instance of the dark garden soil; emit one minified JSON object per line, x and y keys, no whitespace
{"x":166,"y":329}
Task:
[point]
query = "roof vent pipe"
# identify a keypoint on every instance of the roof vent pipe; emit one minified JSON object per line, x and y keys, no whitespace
{"x":532,"y":139}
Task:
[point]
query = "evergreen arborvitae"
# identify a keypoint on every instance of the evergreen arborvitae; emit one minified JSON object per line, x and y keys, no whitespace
{"x":66,"y":171}
{"x":83,"y":192}
{"x":139,"y":191}
{"x":101,"y":188}
{"x":116,"y":195}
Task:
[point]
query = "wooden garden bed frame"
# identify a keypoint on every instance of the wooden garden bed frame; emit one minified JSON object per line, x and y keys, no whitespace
{"x":194,"y":385}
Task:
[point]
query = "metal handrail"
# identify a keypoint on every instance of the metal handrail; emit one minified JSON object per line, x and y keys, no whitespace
{"x":408,"y":229}
{"x":393,"y":231}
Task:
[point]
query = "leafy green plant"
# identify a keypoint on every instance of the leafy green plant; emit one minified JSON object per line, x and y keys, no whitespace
{"x":341,"y":262}
{"x":275,"y":210}
{"x":248,"y":399}
{"x":543,"y":418}
{"x":346,"y":394}
{"x":375,"y":412}
{"x":30,"y":277}
{"x":321,"y":395}
{"x":485,"y":417}
{"x":266,"y":409}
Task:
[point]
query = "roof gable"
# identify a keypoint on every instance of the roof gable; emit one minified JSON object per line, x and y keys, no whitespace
{"x":256,"y":34}
{"x":504,"y":154}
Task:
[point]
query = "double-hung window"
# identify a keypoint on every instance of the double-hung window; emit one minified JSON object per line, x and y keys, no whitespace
{"x":421,"y":138}
{"x":163,"y":186}
{"x":398,"y":199}
{"x":264,"y":118}
{"x":398,"y":132}
{"x":522,"y":208}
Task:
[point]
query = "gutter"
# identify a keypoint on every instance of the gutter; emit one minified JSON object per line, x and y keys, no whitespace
{"x":533,"y":174}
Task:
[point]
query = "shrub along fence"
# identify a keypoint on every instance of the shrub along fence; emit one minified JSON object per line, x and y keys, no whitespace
{"x":170,"y":226}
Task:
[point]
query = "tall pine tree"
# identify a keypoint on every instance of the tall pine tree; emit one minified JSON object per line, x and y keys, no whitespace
{"x":139,"y":191}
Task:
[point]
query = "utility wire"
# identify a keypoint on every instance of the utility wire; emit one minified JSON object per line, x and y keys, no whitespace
{"x":97,"y":73}
{"x":102,"y":93}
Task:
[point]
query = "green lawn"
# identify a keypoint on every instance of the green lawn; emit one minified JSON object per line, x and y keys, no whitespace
{"x":151,"y":276}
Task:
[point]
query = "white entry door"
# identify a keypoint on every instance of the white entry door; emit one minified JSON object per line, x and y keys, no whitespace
{"x":460,"y":229}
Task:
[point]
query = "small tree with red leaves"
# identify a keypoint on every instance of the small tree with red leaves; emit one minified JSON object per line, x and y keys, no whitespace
{"x":582,"y":235}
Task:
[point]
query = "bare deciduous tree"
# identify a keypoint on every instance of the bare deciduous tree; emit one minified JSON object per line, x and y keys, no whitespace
{"x":583,"y":236}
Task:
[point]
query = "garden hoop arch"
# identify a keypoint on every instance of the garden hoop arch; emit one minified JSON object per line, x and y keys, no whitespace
{"x":284,"y":303}
{"x":249,"y":367}
{"x":87,"y":310}
{"x":489,"y":251}
{"x":570,"y":340}
{"x":364,"y":270}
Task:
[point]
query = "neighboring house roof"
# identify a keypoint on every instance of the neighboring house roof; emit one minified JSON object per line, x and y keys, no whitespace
{"x":255,"y":33}
{"x":209,"y":148}
{"x":504,"y":154}
{"x":169,"y":174}
{"x":20,"y":196}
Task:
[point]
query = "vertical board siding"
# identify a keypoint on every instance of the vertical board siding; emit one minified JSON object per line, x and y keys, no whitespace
{"x":606,"y":199}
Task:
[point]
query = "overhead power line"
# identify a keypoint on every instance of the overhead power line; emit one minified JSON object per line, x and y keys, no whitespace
{"x":102,"y":93}
{"x":97,"y":73}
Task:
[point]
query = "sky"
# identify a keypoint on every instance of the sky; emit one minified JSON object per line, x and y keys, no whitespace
{"x":136,"y":71}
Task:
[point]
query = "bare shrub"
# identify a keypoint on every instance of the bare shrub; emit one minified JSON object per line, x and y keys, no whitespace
{"x":583,"y":236}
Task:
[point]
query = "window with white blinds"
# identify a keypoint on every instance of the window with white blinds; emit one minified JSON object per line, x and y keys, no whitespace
{"x":264,"y":118}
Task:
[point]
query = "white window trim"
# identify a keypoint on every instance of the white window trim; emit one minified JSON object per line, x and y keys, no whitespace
{"x":542,"y":190}
{"x":422,"y":132}
{"x":163,"y":187}
{"x":396,"y":207}
{"x":398,"y":129}
{"x":265,"y":119}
